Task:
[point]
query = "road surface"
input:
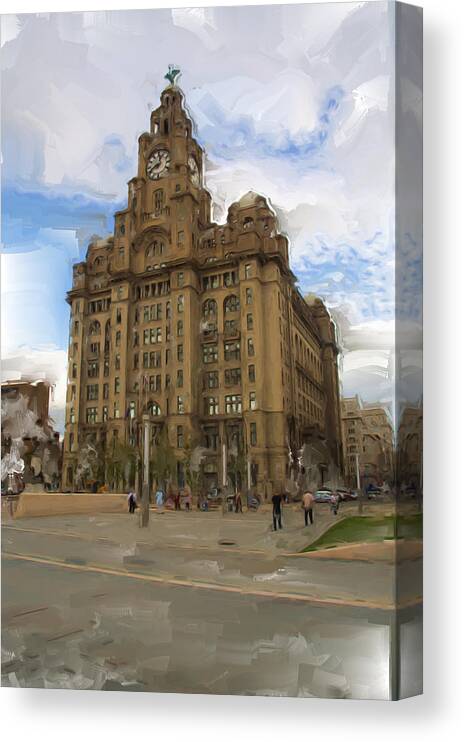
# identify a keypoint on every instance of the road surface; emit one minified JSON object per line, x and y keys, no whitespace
{"x":98,"y":603}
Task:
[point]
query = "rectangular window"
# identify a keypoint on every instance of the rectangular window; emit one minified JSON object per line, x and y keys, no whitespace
{"x":158,"y":200}
{"x":180,"y":240}
{"x":155,"y":335}
{"x":252,"y":400}
{"x":94,"y":348}
{"x":180,"y":352}
{"x":180,"y":304}
{"x":167,"y":381}
{"x":146,"y":314}
{"x":105,"y":414}
{"x":251,"y":347}
{"x":233,"y":403}
{"x":251,"y":373}
{"x":249,"y":321}
{"x":91,"y":415}
{"x":248,"y":270}
{"x":180,"y":405}
{"x":180,"y":378}
{"x":231,"y":351}
{"x":210,"y":353}
{"x":146,"y":337}
{"x":231,"y":327}
{"x":155,"y":359}
{"x":253,"y":435}
{"x":180,"y":328}
{"x":106,"y":391}
{"x":93,"y":369}
{"x":117,"y":385}
{"x":117,"y":361}
{"x":167,"y":355}
{"x":249,"y":296}
{"x":212,"y":380}
{"x":212,"y":438}
{"x":212,"y":406}
{"x":180,"y":276}
{"x":136,"y":360}
{"x":232,"y":376}
{"x":180,"y":436}
{"x":92,"y":391}
{"x":106,"y":368}
{"x":116,"y":413}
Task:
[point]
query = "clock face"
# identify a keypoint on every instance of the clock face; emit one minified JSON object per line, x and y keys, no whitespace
{"x":194,"y":171}
{"x":158,"y":164}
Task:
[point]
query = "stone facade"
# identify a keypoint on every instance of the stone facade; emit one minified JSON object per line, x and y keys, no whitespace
{"x":368,"y":435}
{"x":199,"y":324}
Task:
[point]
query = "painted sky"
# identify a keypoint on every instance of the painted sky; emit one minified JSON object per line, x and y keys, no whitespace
{"x":295,"y":102}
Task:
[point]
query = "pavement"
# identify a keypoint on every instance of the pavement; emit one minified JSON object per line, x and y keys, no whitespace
{"x":199,"y":602}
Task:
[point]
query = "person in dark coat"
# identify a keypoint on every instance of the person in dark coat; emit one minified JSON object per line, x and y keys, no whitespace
{"x":277,"y":511}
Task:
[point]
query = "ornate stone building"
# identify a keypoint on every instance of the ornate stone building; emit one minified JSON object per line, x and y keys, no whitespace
{"x":368,"y":435}
{"x":198,"y":323}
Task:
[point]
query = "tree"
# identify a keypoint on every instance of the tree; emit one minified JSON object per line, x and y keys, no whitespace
{"x":193,"y":455}
{"x":120,"y":464}
{"x":163,"y":461}
{"x":238,"y":468}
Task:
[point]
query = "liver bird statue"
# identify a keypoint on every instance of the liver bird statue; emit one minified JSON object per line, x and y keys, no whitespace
{"x":172,"y":74}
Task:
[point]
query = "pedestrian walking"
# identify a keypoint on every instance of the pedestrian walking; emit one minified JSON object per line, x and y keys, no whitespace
{"x":132,"y":501}
{"x":334,"y":503}
{"x":238,"y":503}
{"x":277,"y":511}
{"x":307,"y":504}
{"x":177,"y":501}
{"x":159,"y":497}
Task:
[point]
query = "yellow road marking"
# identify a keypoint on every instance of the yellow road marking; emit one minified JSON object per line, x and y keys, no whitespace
{"x":95,"y":538}
{"x":211,"y":586}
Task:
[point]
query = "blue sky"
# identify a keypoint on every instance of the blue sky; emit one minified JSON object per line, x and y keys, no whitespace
{"x":292,"y":101}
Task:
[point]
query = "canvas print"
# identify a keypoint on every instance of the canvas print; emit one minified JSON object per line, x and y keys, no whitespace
{"x":211,"y":350}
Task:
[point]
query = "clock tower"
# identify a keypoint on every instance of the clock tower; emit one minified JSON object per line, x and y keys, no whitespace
{"x":167,"y":203}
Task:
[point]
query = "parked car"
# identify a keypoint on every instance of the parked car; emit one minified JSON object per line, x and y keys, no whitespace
{"x":373,"y":492}
{"x":347,"y":495}
{"x":323,"y":496}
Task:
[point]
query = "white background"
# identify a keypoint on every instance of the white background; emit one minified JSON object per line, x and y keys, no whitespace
{"x":56,"y":715}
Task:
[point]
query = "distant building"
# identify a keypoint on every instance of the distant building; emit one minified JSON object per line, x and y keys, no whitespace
{"x":198,"y":324}
{"x":29,"y":443}
{"x":368,"y":440}
{"x":37,"y":394}
{"x":410,"y":440}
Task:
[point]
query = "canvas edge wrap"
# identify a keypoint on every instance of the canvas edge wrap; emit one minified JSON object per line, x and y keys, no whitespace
{"x":406,"y":626}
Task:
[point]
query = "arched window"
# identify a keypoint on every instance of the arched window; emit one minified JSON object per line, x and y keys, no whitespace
{"x":248,"y":222}
{"x":209,"y":309}
{"x":154,"y":250}
{"x":180,"y":304}
{"x":97,"y":263}
{"x":154,"y":409}
{"x":94,"y":328}
{"x":231,"y":304}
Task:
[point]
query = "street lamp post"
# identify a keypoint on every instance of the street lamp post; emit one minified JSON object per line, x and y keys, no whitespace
{"x":358,"y":485}
{"x":146,"y":472}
